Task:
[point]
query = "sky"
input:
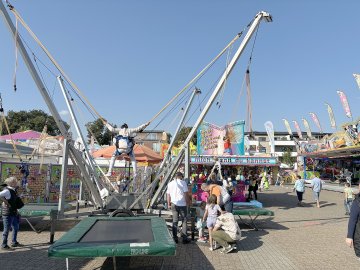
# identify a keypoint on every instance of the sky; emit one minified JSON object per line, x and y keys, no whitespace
{"x":129,"y":58}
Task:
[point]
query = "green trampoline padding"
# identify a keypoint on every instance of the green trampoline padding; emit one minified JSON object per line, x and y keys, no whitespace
{"x":115,"y":236}
{"x":253,"y":212}
{"x":40,"y":209}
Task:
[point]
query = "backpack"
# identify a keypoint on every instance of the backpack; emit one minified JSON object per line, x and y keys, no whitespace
{"x":122,"y":142}
{"x":19,"y":203}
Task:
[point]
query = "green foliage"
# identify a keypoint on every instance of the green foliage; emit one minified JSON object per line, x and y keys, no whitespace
{"x":287,"y":158}
{"x":102,"y":135}
{"x":184,"y":132}
{"x":31,"y":120}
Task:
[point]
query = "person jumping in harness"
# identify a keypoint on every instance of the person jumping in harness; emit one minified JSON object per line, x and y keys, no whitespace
{"x":124,"y":143}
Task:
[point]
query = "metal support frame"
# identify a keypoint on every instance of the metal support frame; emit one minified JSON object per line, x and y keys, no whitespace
{"x":74,"y":154}
{"x":162,"y":168}
{"x":63,"y":179}
{"x":261,"y":15}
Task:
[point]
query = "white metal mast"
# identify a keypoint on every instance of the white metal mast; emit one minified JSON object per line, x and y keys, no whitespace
{"x":261,"y":15}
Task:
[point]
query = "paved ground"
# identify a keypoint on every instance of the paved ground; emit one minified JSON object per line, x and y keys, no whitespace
{"x":296,"y":238}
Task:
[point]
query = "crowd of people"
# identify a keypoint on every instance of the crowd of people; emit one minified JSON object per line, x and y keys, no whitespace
{"x":215,"y":214}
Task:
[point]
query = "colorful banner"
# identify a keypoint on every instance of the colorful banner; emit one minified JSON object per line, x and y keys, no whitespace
{"x":287,"y":125}
{"x":298,"y":130}
{"x":269,"y":127}
{"x":316,"y":121}
{"x":331,"y":116}
{"x":218,"y":141}
{"x":344,"y":103}
{"x":357,"y":79}
{"x":307,"y":128}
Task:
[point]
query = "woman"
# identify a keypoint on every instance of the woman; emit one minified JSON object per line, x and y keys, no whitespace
{"x":300,"y":189}
{"x":353,"y":235}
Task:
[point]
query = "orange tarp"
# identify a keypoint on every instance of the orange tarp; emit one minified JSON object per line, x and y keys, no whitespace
{"x":142,"y":153}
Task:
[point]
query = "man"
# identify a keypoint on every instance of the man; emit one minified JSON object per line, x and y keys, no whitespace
{"x":316,"y":185}
{"x":226,"y":231}
{"x":10,"y":214}
{"x":124,"y":143}
{"x":222,"y":195}
{"x":178,"y":198}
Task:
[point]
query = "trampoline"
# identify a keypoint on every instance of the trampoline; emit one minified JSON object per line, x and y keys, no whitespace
{"x":32,"y":210}
{"x":115,"y":236}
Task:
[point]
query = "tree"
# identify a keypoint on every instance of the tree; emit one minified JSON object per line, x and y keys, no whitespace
{"x":184,"y":132}
{"x":97,"y":129}
{"x":287,"y":158}
{"x":32,"y":120}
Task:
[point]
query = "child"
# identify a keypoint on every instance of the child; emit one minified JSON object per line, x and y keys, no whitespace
{"x":200,"y":225}
{"x":349,"y":197}
{"x":212,"y":211}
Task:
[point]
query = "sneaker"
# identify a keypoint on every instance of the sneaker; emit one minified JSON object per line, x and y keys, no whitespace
{"x":215,"y":246}
{"x":108,"y":174}
{"x":202,"y":240}
{"x":16,"y":244}
{"x":211,"y":249}
{"x":7,"y":248}
{"x":229,"y":249}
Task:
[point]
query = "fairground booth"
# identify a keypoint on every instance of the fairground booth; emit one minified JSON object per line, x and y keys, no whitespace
{"x":335,"y":157}
{"x":225,"y":146}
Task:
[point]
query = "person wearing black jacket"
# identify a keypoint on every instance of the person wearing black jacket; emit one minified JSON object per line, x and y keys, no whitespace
{"x":10,"y":214}
{"x":353,"y":234}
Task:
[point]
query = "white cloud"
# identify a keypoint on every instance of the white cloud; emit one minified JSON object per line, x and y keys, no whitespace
{"x":64,"y":113}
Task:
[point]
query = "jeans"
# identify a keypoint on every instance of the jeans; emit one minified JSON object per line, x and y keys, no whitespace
{"x":299,"y":195}
{"x":347,"y":204}
{"x":229,"y":206}
{"x":10,"y":221}
{"x":176,"y":212}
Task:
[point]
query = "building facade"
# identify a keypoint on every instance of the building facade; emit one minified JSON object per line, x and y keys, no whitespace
{"x":153,"y":139}
{"x":259,"y":142}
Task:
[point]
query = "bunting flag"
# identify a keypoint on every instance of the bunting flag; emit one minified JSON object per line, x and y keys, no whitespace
{"x":331,"y":116}
{"x":269,"y":127}
{"x":287,"y":125}
{"x":357,"y":79}
{"x":298,"y":130}
{"x":344,"y":103}
{"x":316,"y":121}
{"x":307,"y":128}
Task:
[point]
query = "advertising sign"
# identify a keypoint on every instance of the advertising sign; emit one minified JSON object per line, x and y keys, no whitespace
{"x":219,"y":141}
{"x":236,"y":161}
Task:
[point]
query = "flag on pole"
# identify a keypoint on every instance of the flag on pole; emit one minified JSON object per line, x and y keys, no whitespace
{"x":298,"y":130}
{"x":269,"y":127}
{"x":331,"y":116}
{"x":357,"y":79}
{"x":316,"y":121}
{"x":344,"y":103}
{"x":287,"y":125}
{"x":307,"y":128}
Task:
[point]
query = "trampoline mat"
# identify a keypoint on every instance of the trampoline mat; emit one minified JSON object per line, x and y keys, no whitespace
{"x":119,"y":231}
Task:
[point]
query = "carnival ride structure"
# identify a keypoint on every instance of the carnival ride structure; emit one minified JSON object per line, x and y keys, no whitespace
{"x":100,"y":189}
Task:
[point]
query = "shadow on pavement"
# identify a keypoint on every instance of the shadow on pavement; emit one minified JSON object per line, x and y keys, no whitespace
{"x":285,"y":200}
{"x":263,"y":223}
{"x":250,"y":240}
{"x":187,"y":256}
{"x":28,"y":257}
